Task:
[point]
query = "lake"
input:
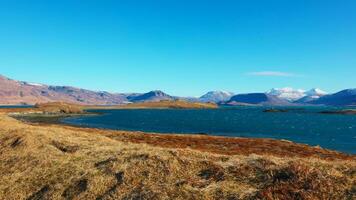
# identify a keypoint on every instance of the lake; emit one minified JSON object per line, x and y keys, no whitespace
{"x":299,"y":124}
{"x":16,"y":106}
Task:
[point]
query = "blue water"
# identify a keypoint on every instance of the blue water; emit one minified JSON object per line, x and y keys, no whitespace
{"x":17,"y":106}
{"x":302,"y":125}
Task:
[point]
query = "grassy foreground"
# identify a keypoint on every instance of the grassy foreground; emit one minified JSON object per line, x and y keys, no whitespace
{"x":39,"y":161}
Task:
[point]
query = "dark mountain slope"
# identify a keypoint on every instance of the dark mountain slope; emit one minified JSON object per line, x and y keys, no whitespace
{"x":257,"y":99}
{"x":343,"y":98}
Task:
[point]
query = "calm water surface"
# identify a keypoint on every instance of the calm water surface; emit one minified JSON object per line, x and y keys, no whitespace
{"x":16,"y":106}
{"x":302,"y":125}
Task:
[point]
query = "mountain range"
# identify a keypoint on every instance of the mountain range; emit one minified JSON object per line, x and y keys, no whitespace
{"x":287,"y":93}
{"x":21,"y":92}
{"x":292,"y":95}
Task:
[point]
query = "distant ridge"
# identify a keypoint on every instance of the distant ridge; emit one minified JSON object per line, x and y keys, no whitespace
{"x":343,"y":98}
{"x":257,"y":99}
{"x":21,"y":92}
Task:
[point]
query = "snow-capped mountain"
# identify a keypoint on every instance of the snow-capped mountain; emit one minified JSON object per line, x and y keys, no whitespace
{"x":311,"y":95}
{"x":315,"y":92}
{"x":216,"y":96}
{"x":287,"y":93}
{"x":297,"y":95}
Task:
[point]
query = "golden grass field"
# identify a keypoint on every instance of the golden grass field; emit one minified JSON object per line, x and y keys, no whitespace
{"x":44,"y":161}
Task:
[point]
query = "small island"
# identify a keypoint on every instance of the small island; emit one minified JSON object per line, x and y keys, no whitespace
{"x":275,"y":110}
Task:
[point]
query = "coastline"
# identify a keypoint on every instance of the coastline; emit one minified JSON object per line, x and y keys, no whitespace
{"x":47,"y":118}
{"x":54,"y":113}
{"x":52,"y":161}
{"x":222,"y":144}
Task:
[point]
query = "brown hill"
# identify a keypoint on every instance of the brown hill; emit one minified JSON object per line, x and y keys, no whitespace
{"x":152,"y":96}
{"x":18,"y":92}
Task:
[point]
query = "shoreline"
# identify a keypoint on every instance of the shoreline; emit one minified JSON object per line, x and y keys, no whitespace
{"x":48,"y":118}
{"x":182,"y":139}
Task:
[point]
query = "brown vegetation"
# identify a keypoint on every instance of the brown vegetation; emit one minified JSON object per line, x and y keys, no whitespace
{"x":224,"y":145}
{"x":59,"y":108}
{"x":62,"y":162}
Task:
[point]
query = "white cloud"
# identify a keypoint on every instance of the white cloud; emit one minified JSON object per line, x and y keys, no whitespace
{"x":272,"y":73}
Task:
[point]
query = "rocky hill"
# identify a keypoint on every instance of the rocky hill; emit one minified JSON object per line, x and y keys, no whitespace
{"x":19,"y":92}
{"x":155,"y":95}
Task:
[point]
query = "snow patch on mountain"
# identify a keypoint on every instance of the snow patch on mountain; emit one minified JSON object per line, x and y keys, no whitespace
{"x":291,"y":94}
{"x":216,"y":96}
{"x":33,"y":84}
{"x":315,"y":92}
{"x":287,"y":93}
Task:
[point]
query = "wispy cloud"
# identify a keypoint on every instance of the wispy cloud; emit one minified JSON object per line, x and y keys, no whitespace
{"x":272,"y":73}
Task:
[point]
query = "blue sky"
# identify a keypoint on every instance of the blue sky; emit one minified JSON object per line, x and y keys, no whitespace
{"x":182,"y":47}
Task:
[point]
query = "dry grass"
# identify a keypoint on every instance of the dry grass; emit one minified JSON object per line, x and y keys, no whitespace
{"x":59,"y":107}
{"x":60,"y":162}
{"x":223,"y":145}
